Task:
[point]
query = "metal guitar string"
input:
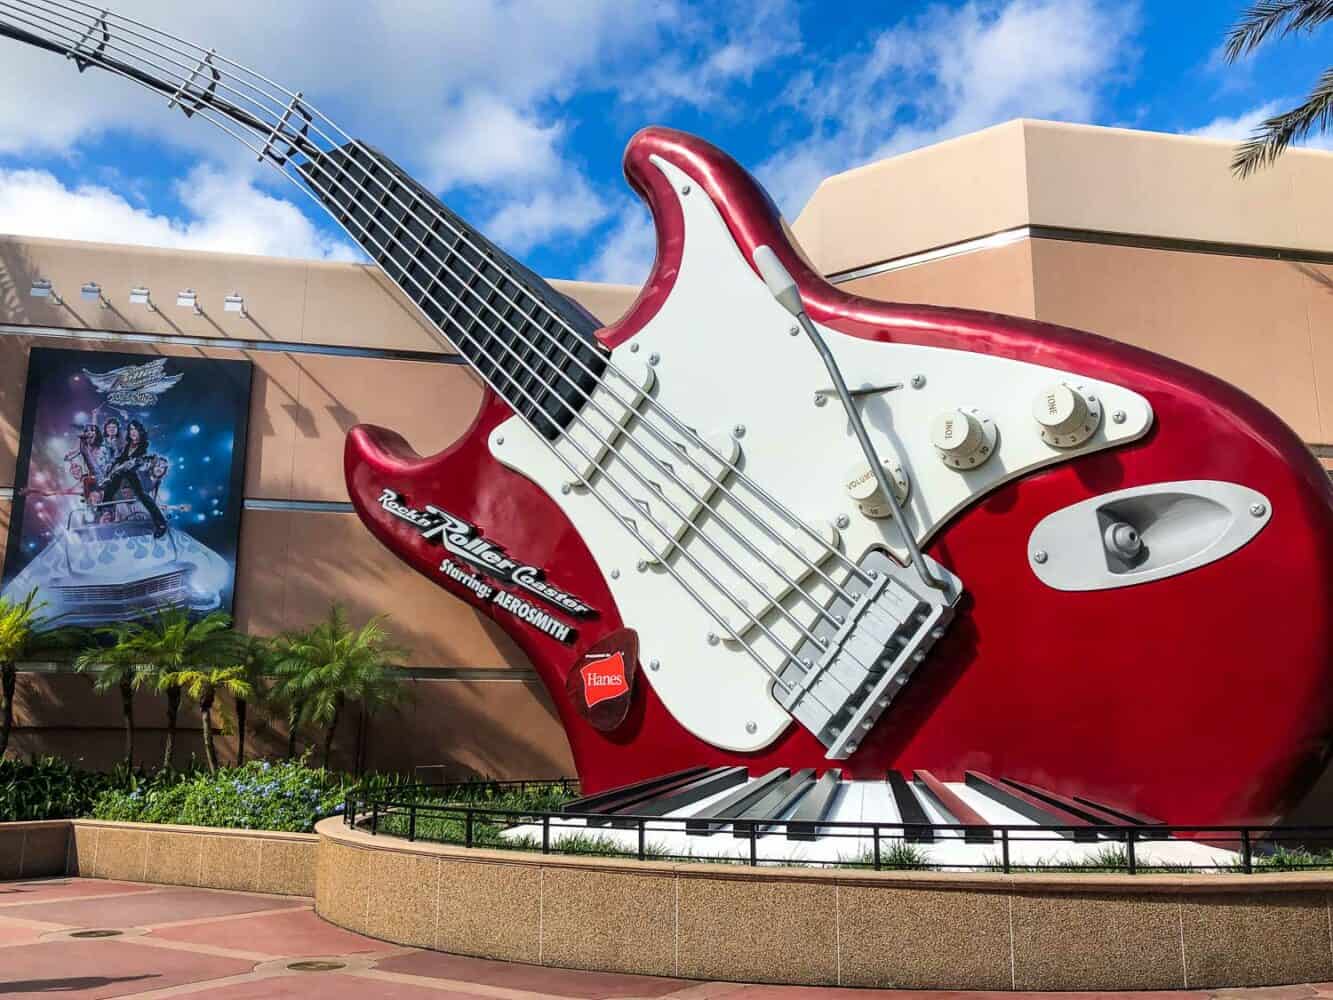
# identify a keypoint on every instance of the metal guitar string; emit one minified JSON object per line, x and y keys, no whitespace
{"x":716,"y":584}
{"x":754,"y":518}
{"x":277,"y":132}
{"x":817,"y":606}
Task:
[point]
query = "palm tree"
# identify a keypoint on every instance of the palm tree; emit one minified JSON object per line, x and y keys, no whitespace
{"x":203,"y":683}
{"x":256,"y":661}
{"x":323,"y":668}
{"x":1281,"y":18}
{"x":26,"y":635}
{"x":114,"y":662}
{"x":170,"y":643}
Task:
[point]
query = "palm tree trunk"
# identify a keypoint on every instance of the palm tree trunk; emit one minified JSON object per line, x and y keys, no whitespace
{"x":127,"y":710}
{"x":328,"y":733}
{"x":242,"y":706}
{"x":9,"y":676}
{"x":173,"y":710}
{"x":206,"y":710}
{"x":293,"y":723}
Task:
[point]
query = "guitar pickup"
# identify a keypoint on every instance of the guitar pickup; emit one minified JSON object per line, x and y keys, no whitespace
{"x":604,"y":418}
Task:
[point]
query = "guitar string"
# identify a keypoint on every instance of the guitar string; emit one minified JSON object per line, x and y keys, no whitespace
{"x":536,"y":404}
{"x":793,"y":585}
{"x":774,"y":673}
{"x":649,"y":401}
{"x":756,"y":519}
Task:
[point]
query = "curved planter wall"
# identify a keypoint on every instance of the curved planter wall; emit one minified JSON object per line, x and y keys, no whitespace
{"x":813,"y":926}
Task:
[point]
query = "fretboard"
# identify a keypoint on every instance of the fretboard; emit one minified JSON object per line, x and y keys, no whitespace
{"x":517,"y":331}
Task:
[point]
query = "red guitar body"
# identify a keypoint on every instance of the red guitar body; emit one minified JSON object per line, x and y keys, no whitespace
{"x":1201,"y":698}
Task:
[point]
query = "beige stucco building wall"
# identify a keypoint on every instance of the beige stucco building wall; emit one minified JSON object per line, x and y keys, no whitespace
{"x":1143,"y":237}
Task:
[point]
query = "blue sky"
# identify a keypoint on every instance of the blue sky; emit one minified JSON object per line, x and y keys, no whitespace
{"x":517,"y":112}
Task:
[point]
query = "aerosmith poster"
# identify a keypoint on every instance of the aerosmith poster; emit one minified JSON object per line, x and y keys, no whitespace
{"x":127,"y":496}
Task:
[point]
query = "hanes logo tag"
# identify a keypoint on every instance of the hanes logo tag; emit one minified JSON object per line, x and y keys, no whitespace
{"x":601,"y":685}
{"x":604,"y":679}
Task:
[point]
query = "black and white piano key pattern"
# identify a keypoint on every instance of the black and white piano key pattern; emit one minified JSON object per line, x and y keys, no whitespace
{"x":821,"y":819}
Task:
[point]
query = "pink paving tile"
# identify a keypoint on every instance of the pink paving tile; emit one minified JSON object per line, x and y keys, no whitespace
{"x":44,"y":890}
{"x":107,"y":968}
{"x":11,"y":933}
{"x":535,"y":978}
{"x":149,"y":908}
{"x":295,"y":934}
{"x":326,"y":986}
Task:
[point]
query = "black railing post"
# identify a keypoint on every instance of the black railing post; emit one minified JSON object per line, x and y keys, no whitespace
{"x":1004,"y":849}
{"x":1246,"y":853}
{"x":467,"y":828}
{"x":412,"y":821}
{"x":876,"y":829}
{"x":642,"y":852}
{"x":375,"y":818}
{"x":1130,"y":837}
{"x":754,"y":841}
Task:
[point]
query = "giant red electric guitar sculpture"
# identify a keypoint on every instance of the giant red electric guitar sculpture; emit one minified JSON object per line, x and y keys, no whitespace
{"x":691,"y":521}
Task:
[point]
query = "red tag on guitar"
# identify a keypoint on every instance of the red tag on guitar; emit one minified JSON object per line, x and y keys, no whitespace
{"x":604,"y":679}
{"x":602,"y":682}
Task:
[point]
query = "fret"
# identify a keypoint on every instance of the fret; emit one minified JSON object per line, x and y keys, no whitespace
{"x":505,"y":320}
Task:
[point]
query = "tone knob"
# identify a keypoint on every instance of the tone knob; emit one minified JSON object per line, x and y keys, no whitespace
{"x":862,"y":487}
{"x":1067,"y":415}
{"x":963,"y":438}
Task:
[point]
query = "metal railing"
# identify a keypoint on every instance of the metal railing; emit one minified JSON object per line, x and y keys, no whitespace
{"x":878,"y":846}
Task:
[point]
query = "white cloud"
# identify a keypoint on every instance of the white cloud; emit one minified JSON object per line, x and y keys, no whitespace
{"x":1240,"y":127}
{"x":484,"y":140}
{"x":525,"y":221}
{"x":949,"y":72}
{"x":627,"y":248}
{"x":707,"y":57}
{"x":1245,"y":124}
{"x":227,"y":213}
{"x":455,"y":90}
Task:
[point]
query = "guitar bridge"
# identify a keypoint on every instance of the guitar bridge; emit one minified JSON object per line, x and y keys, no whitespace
{"x":838,"y":688}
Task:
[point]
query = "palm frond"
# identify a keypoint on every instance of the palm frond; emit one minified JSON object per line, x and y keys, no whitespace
{"x":1283,"y":17}
{"x":1274,"y":135}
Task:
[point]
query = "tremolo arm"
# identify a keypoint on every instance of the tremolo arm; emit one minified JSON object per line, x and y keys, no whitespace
{"x":838,"y":685}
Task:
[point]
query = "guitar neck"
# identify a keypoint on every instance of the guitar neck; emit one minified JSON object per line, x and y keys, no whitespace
{"x":534,"y":345}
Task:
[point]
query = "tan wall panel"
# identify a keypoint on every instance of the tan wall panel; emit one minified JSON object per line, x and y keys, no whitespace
{"x":357,"y":305}
{"x":1242,"y":319}
{"x":998,"y":280}
{"x":294,"y":301}
{"x":1126,"y":181}
{"x":497,"y":729}
{"x":301,"y":407}
{"x":607,"y":302}
{"x":429,"y":404}
{"x":274,"y":289}
{"x":294,"y":564}
{"x":952,"y":191}
{"x":1317,"y":283}
{"x":503,"y":728}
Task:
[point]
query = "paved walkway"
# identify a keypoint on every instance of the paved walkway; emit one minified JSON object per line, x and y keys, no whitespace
{"x":165,"y":941}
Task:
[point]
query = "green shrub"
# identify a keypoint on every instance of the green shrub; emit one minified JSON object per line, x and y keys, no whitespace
{"x":49,"y":788}
{"x":451,"y":828}
{"x":285,"y":796}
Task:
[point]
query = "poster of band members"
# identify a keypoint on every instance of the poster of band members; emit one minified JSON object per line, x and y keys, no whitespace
{"x":127,"y":496}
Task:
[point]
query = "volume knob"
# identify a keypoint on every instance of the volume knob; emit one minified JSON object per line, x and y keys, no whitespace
{"x":1067,"y":415}
{"x":963,"y":438}
{"x":863,"y":487}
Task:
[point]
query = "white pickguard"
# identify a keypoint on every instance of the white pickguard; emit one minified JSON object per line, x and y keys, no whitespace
{"x":726,"y":362}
